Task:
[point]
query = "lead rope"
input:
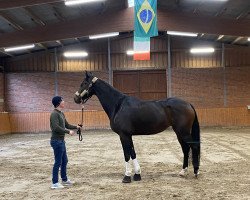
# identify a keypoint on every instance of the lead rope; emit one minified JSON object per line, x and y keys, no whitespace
{"x":79,"y":132}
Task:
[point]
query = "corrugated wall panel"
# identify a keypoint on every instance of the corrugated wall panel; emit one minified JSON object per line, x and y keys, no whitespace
{"x":237,"y":56}
{"x":236,"y":116}
{"x":42,"y":61}
{"x":39,"y":122}
{"x":4,"y":123}
{"x":183,"y":58}
{"x":121,"y":61}
{"x":29,"y":122}
{"x":94,"y":62}
{"x":2,"y":92}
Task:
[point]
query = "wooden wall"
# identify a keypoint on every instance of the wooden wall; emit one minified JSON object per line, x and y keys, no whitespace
{"x":121,"y":61}
{"x":1,"y":92}
{"x":5,"y":125}
{"x":39,"y":122}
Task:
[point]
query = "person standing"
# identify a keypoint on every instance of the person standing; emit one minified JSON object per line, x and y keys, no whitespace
{"x":59,"y":127}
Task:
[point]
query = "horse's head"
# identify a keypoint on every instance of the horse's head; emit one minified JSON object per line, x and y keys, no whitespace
{"x":85,"y":91}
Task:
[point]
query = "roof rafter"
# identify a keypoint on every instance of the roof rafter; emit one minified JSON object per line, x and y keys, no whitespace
{"x":34,"y":17}
{"x":11,"y":21}
{"x":59,"y":42}
{"x":58,"y":14}
{"x":123,"y":21}
{"x":8,"y":54}
{"x":41,"y":45}
{"x":243,"y":14}
{"x":237,"y":40}
{"x":9,"y":4}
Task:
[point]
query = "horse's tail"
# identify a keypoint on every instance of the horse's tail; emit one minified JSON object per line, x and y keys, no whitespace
{"x":195,"y":133}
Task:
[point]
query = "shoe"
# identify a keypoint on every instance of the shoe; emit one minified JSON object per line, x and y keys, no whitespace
{"x":57,"y":186}
{"x":68,"y":183}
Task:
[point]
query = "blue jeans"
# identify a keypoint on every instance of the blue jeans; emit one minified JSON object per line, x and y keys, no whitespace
{"x":61,"y":160}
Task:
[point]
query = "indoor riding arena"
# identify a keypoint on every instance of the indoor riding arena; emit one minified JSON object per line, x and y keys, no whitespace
{"x":48,"y":48}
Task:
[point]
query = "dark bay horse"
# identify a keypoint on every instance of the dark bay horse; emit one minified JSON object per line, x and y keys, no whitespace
{"x":130,"y":116}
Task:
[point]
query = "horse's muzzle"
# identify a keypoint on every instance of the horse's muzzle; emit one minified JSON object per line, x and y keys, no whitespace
{"x":77,"y":99}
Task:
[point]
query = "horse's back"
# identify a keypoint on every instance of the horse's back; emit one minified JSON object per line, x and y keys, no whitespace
{"x":141,"y":117}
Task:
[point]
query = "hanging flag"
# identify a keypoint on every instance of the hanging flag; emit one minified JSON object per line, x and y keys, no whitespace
{"x":145,"y":18}
{"x":141,"y":48}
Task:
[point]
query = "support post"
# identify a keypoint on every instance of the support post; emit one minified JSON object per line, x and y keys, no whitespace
{"x":224,"y":75}
{"x":169,"y":72}
{"x":55,"y":71}
{"x":109,"y":65}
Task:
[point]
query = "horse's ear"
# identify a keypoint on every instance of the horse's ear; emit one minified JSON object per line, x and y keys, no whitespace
{"x":88,"y":74}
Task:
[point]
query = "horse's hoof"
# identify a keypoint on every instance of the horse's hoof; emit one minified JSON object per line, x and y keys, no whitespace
{"x":137,"y":177}
{"x":196,"y":174}
{"x":183,"y":172}
{"x":126,"y":179}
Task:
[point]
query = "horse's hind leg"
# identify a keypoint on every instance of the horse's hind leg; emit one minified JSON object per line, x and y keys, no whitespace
{"x":185,"y":149}
{"x":129,"y":152}
{"x":184,"y":135}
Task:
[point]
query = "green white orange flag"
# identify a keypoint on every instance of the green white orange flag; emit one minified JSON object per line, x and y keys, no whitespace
{"x":141,"y":48}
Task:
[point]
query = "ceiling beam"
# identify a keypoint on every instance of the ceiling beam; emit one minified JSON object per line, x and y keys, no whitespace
{"x":34,"y":17}
{"x":10,"y":21}
{"x":42,"y":46}
{"x":237,"y":40}
{"x":59,"y":16}
{"x":123,"y":21}
{"x":220,"y":37}
{"x":59,"y":42}
{"x":1,"y":31}
{"x":243,"y":14}
{"x":9,"y":4}
{"x":6,"y":53}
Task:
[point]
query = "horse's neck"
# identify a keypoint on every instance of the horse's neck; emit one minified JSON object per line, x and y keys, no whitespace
{"x":108,"y":96}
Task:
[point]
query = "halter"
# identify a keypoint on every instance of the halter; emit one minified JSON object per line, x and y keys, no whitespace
{"x":86,"y":91}
{"x":79,"y":132}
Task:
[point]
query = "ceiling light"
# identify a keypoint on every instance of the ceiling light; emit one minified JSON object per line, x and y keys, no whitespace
{"x":18,"y":48}
{"x":75,"y":54}
{"x":130,"y":52}
{"x":92,"y":37}
{"x":202,"y":50}
{"x":248,"y":39}
{"x":75,"y":2}
{"x":131,"y":3}
{"x":182,"y":33}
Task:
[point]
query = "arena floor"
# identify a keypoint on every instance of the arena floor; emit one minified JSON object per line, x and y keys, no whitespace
{"x":97,"y":166}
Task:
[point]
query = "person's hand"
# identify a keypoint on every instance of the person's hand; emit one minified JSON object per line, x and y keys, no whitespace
{"x":78,"y":127}
{"x":71,"y":132}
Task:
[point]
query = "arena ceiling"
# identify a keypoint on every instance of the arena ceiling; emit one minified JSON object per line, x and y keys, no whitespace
{"x":50,"y":23}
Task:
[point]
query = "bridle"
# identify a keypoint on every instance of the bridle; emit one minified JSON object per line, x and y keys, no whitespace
{"x":86,"y":91}
{"x":79,"y":131}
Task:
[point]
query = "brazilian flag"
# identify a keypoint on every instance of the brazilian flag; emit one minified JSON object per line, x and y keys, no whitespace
{"x":145,"y":17}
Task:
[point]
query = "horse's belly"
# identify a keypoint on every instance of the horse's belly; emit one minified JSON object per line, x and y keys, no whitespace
{"x":149,"y":128}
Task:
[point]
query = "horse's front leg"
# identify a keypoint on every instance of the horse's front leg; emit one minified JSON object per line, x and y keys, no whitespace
{"x":129,"y":152}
